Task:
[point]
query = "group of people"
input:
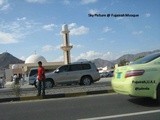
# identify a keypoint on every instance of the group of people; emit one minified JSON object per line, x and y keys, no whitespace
{"x":41,"y":80}
{"x":18,"y":79}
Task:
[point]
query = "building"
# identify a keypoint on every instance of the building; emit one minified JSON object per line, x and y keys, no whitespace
{"x":30,"y":62}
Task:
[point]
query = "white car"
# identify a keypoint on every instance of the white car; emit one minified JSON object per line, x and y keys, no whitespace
{"x":83,"y":73}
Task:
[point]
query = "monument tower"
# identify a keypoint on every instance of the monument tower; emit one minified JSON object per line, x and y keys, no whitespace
{"x":66,"y":44}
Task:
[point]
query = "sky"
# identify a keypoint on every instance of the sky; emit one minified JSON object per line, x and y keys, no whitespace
{"x":105,"y":29}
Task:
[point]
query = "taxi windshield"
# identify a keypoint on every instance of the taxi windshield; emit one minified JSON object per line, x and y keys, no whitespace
{"x":147,"y":58}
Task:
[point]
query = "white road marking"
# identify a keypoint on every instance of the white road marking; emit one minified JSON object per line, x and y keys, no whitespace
{"x":122,"y":115}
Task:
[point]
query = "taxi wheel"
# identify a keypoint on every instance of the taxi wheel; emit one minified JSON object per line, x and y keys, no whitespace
{"x":158,"y":94}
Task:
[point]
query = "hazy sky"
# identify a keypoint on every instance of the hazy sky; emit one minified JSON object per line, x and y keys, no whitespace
{"x":29,"y":26}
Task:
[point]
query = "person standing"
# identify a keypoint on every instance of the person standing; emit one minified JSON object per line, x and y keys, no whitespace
{"x":1,"y":82}
{"x":41,"y":79}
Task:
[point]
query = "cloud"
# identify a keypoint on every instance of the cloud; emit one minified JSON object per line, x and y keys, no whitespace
{"x":4,"y":5}
{"x":107,"y":29}
{"x":147,"y":27}
{"x":91,"y":55}
{"x":101,"y":39}
{"x":60,"y":58}
{"x":13,"y":32}
{"x":77,"y":46}
{"x":93,"y":11}
{"x":113,"y":2}
{"x":147,"y":14}
{"x":23,"y":58}
{"x":77,"y":30}
{"x":72,"y":25}
{"x":36,"y":1}
{"x":21,"y":19}
{"x":6,"y":38}
{"x":66,"y":2}
{"x":137,"y":32}
{"x":10,"y":33}
{"x":88,"y":1}
{"x":119,"y":18}
{"x":48,"y":48}
{"x":49,"y":27}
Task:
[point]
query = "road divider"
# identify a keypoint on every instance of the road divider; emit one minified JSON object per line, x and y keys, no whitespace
{"x":60,"y":95}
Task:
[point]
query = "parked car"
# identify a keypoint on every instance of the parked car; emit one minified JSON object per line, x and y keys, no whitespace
{"x":83,"y":73}
{"x":32,"y":76}
{"x":110,"y":73}
{"x":141,"y":78}
{"x":103,"y":74}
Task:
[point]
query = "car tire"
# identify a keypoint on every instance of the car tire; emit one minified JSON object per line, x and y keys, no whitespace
{"x":49,"y":83}
{"x":86,"y":80}
{"x":158,"y":94}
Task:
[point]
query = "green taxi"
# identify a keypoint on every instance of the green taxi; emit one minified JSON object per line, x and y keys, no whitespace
{"x":140,"y":78}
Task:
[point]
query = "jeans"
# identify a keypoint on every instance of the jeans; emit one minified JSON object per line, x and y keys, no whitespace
{"x":41,"y":86}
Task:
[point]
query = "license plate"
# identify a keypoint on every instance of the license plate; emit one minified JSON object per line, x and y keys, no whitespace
{"x":118,"y":75}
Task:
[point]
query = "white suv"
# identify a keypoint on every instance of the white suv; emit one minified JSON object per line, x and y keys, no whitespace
{"x":83,"y":73}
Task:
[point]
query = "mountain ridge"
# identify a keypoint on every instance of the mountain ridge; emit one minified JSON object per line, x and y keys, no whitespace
{"x":6,"y":59}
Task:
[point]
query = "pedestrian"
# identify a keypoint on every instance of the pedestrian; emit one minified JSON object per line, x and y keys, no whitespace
{"x":2,"y":82}
{"x":41,"y":79}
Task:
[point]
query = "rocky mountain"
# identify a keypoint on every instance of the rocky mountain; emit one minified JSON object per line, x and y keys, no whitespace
{"x":133,"y":57}
{"x":6,"y":59}
{"x":128,"y":57}
{"x":81,"y":60}
{"x":103,"y":63}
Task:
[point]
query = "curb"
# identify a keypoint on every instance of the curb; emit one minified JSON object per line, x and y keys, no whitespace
{"x":49,"y":96}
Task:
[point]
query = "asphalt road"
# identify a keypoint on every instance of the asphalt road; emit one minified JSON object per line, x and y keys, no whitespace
{"x":97,"y":107}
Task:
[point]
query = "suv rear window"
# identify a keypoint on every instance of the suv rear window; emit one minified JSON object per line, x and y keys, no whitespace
{"x":75,"y":67}
{"x":86,"y":66}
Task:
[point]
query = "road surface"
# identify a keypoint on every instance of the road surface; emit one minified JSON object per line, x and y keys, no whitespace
{"x":97,"y":107}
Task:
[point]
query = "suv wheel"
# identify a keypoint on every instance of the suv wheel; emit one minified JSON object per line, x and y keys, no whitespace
{"x":158,"y":94}
{"x":49,"y":83}
{"x":86,"y":80}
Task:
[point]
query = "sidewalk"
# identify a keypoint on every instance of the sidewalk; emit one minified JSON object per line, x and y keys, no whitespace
{"x":26,"y":93}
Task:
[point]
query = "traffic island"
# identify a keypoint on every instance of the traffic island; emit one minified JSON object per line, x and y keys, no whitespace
{"x":51,"y":95}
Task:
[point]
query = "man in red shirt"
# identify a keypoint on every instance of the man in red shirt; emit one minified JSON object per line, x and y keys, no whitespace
{"x":41,"y":79}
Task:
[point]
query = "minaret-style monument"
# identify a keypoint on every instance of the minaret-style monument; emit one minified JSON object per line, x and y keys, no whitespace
{"x":66,"y":44}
